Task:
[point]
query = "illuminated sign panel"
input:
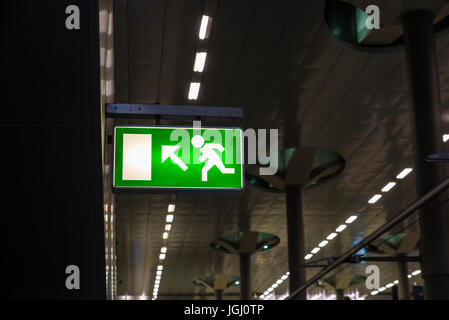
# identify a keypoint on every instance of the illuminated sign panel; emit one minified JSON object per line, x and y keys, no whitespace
{"x":161,"y":157}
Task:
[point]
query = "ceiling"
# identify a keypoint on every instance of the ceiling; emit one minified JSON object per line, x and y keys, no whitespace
{"x":278,"y":61}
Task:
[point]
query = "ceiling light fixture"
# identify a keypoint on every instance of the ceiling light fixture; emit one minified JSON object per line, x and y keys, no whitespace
{"x":169,"y":218}
{"x":315,"y":250}
{"x":331,"y":236}
{"x":203,"y":27}
{"x":171,"y":207}
{"x":351,"y":219}
{"x":200,"y":61}
{"x":308,"y":256}
{"x":388,"y":187}
{"x":194,"y":90}
{"x":341,"y":228}
{"x":323,"y":243}
{"x":375,"y":198}
{"x":404,"y":173}
{"x":445,"y":137}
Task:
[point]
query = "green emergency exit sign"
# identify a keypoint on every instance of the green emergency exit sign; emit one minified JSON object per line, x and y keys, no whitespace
{"x":160,"y":157}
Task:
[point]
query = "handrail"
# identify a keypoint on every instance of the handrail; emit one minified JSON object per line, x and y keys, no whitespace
{"x":417,"y":204}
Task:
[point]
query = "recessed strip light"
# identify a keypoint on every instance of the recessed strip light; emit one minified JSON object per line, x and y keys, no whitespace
{"x":323,"y":243}
{"x":388,"y":187}
{"x":160,"y":267}
{"x":203,"y":27}
{"x":167,"y":227}
{"x":162,"y":256}
{"x":308,"y":256}
{"x":165,"y":235}
{"x":404,"y":173}
{"x":351,"y":219}
{"x":164,"y":250}
{"x":375,"y":198}
{"x":194,"y":90}
{"x":315,"y":250}
{"x":445,"y":137}
{"x":331,"y":236}
{"x":200,"y":61}
{"x":341,"y":228}
{"x":169,"y":218}
{"x":414,"y":273}
{"x":171,"y":207}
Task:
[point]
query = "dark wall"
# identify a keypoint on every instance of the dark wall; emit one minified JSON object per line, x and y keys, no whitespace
{"x":51,"y":202}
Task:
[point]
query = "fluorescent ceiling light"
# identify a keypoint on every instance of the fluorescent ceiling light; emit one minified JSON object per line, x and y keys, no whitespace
{"x":315,"y":250}
{"x":262,"y":296}
{"x":165,"y":235}
{"x":409,"y":276}
{"x":389,"y":285}
{"x":388,"y":186}
{"x":158,"y":277}
{"x":167,"y":227}
{"x":396,"y":281}
{"x":414,"y":273}
{"x":203,"y":27}
{"x":404,"y":173}
{"x":382,"y":289}
{"x":266,"y":293}
{"x":169,"y":218}
{"x":156,"y":286}
{"x":284,"y":277}
{"x":200,"y":61}
{"x":331,"y":236}
{"x":162,"y":256}
{"x":323,"y":243}
{"x":171,"y":208}
{"x":275,"y":286}
{"x":307,"y":257}
{"x":163,"y":250}
{"x":160,"y":267}
{"x":279,"y":281}
{"x":194,"y":90}
{"x":287,"y":273}
{"x":374,"y":292}
{"x":374,"y":198}
{"x":157,"y":281}
{"x":351,"y":219}
{"x":341,"y":228}
{"x":445,"y":137}
{"x":159,"y":272}
{"x":270,"y":289}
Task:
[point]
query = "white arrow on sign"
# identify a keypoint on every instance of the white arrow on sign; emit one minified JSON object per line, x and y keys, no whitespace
{"x":169,"y":152}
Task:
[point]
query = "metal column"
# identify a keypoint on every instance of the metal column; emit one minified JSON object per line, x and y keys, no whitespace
{"x":340,"y":294}
{"x":423,"y":84}
{"x":295,"y":235}
{"x":219,"y":294}
{"x":404,"y":285}
{"x":245,"y":258}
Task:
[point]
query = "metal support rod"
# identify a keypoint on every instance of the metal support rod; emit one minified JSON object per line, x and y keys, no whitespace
{"x":404,"y":285}
{"x":399,"y":258}
{"x":444,"y":185}
{"x":295,"y":235}
{"x":340,"y":294}
{"x":245,"y":276}
{"x":245,"y":258}
{"x":427,"y":130}
{"x":219,"y":294}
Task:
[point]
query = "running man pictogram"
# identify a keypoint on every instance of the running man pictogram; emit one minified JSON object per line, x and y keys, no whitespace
{"x":208,"y":153}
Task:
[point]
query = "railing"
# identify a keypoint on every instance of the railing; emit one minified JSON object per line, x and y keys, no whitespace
{"x":373,"y":236}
